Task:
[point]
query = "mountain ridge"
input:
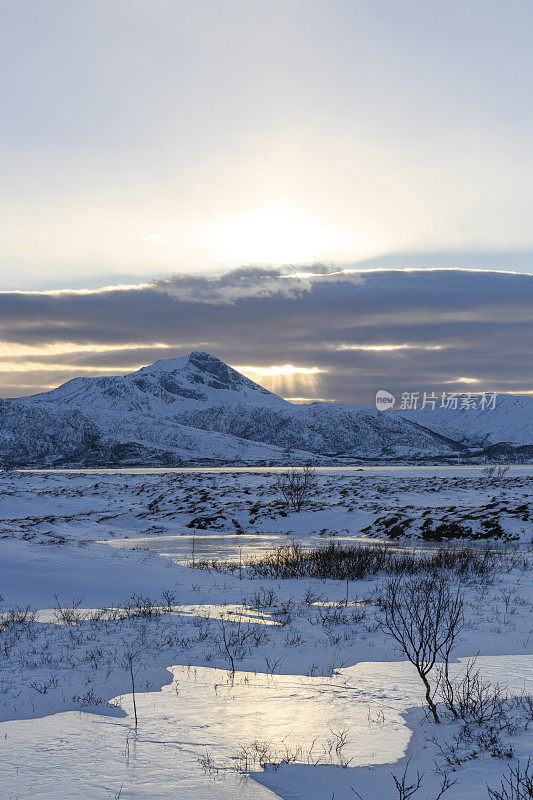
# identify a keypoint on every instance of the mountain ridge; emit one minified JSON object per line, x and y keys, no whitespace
{"x":197,"y":409}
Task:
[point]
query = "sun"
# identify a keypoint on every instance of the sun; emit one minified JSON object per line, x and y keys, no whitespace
{"x":273,"y":234}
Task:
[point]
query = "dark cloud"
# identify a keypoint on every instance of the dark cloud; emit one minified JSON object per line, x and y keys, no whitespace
{"x":481,"y":321}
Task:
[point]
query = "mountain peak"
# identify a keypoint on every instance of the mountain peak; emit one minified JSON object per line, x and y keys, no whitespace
{"x":170,"y":385}
{"x":200,"y":354}
{"x":199,"y":377}
{"x":202,"y":368}
{"x":197,"y":359}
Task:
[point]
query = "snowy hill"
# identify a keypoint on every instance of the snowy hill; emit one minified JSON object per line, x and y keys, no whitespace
{"x":196,"y":409}
{"x":323,"y":428}
{"x":511,"y":420}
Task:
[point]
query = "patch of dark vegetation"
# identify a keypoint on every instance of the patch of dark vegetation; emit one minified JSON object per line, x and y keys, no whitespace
{"x":360,"y":561}
{"x":444,"y":531}
{"x":483,"y":523}
{"x":213,"y":522}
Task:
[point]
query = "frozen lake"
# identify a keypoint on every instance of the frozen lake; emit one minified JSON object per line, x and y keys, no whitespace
{"x":186,"y":548}
{"x":397,"y":470}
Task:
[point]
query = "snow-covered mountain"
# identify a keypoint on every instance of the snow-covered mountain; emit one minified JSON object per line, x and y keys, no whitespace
{"x":165,"y":387}
{"x":323,"y":428}
{"x":196,"y":409}
{"x":508,"y":419}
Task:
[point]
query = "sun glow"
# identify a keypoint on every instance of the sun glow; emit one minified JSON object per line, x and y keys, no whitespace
{"x":286,"y":379}
{"x":17,"y":357}
{"x":386,"y":347}
{"x":17,"y":350}
{"x":47,"y":366}
{"x":271,"y":235}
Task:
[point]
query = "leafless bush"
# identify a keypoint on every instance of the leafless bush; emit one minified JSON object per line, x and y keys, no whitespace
{"x":469,"y":741}
{"x":263,"y":598}
{"x":68,"y":616}
{"x":89,"y":699}
{"x":516,"y":785}
{"x":169,"y":597}
{"x":260,"y":754}
{"x":406,"y":788}
{"x":138,"y":606}
{"x":16,"y":617}
{"x":470,"y":698}
{"x":524,"y":702}
{"x":495,"y":472}
{"x":227,"y":648}
{"x":366,"y":559}
{"x":311,"y":596}
{"x":335,"y":615}
{"x":43,"y":686}
{"x":238,"y":640}
{"x":296,"y":486}
{"x":130,"y":657}
{"x":118,"y":795}
{"x":424,"y":616}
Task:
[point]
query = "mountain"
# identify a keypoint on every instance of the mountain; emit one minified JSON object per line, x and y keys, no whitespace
{"x":164,"y":387}
{"x":509,"y":421}
{"x":322,"y":428}
{"x":196,"y":409}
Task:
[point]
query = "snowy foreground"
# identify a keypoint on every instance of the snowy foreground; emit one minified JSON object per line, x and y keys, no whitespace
{"x":246,"y":687}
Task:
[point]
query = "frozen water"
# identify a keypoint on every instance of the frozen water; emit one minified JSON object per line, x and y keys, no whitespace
{"x":204,"y":711}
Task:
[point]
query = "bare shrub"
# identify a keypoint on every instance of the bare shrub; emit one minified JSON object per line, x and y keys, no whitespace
{"x":516,"y":785}
{"x":407,"y":787}
{"x":363,"y":560}
{"x":470,"y":698}
{"x":227,"y":648}
{"x":259,"y":754}
{"x":68,"y":616}
{"x":131,"y":657}
{"x":17,"y":617}
{"x":296,"y":486}
{"x":424,"y":616}
{"x":143,"y":607}
{"x":263,"y":598}
{"x":169,"y":596}
{"x":495,"y":472}
{"x":524,"y":702}
{"x":404,"y":788}
{"x":237,"y":640}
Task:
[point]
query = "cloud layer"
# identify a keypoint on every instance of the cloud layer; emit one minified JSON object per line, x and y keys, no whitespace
{"x":350,"y":333}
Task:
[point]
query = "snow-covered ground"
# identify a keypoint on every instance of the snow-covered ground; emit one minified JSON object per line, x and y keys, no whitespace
{"x":316,"y":685}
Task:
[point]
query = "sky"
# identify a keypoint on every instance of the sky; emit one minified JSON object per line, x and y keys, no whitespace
{"x":174,"y":143}
{"x":335,"y":336}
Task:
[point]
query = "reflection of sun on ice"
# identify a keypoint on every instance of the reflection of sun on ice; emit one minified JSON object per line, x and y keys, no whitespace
{"x":271,"y":235}
{"x":286,"y":379}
